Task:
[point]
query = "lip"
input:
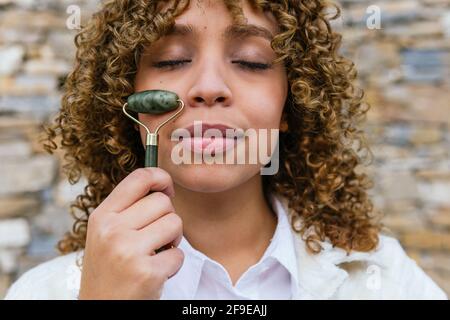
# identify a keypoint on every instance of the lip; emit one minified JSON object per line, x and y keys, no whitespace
{"x":194,"y":128}
{"x":198,"y":143}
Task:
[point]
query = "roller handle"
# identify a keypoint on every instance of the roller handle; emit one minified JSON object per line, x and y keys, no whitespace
{"x":151,"y":156}
{"x":151,"y":160}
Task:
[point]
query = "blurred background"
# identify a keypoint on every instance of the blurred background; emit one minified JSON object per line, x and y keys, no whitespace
{"x":401,"y":49}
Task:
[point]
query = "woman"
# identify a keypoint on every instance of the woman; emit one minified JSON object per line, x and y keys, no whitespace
{"x":307,"y":231}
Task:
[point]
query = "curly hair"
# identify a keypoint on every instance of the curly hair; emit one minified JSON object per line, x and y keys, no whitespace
{"x":318,"y":161}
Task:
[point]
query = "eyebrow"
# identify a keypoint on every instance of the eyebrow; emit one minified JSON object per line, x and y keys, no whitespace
{"x":231,"y":32}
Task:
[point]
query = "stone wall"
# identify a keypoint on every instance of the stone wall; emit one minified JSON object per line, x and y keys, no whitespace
{"x":403,"y":66}
{"x":36,"y":53}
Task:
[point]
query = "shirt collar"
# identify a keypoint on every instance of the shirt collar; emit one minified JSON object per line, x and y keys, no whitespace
{"x":184,"y":284}
{"x":284,"y":249}
{"x":319,"y":275}
{"x":315,"y":276}
{"x":281,"y":248}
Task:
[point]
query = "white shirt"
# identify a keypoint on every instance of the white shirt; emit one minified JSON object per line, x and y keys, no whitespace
{"x":384,"y":273}
{"x":273,"y":277}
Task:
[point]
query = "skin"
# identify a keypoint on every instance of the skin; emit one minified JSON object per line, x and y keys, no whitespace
{"x":221,"y":208}
{"x":216,"y":90}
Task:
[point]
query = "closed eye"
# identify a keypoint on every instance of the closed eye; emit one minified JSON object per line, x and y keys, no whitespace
{"x":169,"y":63}
{"x":253,"y":66}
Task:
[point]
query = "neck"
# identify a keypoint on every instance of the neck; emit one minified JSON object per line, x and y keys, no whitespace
{"x":230,"y":226}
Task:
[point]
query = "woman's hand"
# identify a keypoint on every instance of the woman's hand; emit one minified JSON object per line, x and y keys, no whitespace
{"x":124,"y":232}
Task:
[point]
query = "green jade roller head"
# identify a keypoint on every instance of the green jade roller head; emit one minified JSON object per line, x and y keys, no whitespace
{"x":153,"y":102}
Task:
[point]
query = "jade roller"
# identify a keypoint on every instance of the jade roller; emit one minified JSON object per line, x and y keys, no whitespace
{"x":153,"y":102}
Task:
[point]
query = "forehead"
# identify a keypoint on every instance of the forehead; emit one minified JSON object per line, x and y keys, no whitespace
{"x":213,"y":14}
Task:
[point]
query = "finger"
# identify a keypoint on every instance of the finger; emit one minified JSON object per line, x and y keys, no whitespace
{"x":135,"y":186}
{"x":174,"y":243}
{"x":147,"y":210}
{"x":165,"y":230}
{"x":168,"y":261}
{"x":177,"y":241}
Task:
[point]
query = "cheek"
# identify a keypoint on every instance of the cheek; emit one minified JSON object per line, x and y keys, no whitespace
{"x":264,"y":111}
{"x":149,"y":120}
{"x":263,"y":104}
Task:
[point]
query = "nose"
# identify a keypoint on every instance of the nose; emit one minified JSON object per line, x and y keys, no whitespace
{"x":210,"y":87}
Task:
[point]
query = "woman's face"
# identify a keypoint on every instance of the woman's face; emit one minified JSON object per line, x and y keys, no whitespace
{"x":217,"y":86}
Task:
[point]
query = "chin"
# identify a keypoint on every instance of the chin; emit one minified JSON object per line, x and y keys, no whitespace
{"x":209,"y":178}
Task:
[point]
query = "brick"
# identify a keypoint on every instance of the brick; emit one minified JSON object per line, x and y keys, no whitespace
{"x":441,"y":218}
{"x":11,"y":58}
{"x":18,"y":206}
{"x":14,"y":233}
{"x":28,"y":175}
{"x":427,"y":240}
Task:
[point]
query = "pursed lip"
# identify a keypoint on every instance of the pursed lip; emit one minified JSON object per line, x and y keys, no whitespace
{"x":200,"y":127}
